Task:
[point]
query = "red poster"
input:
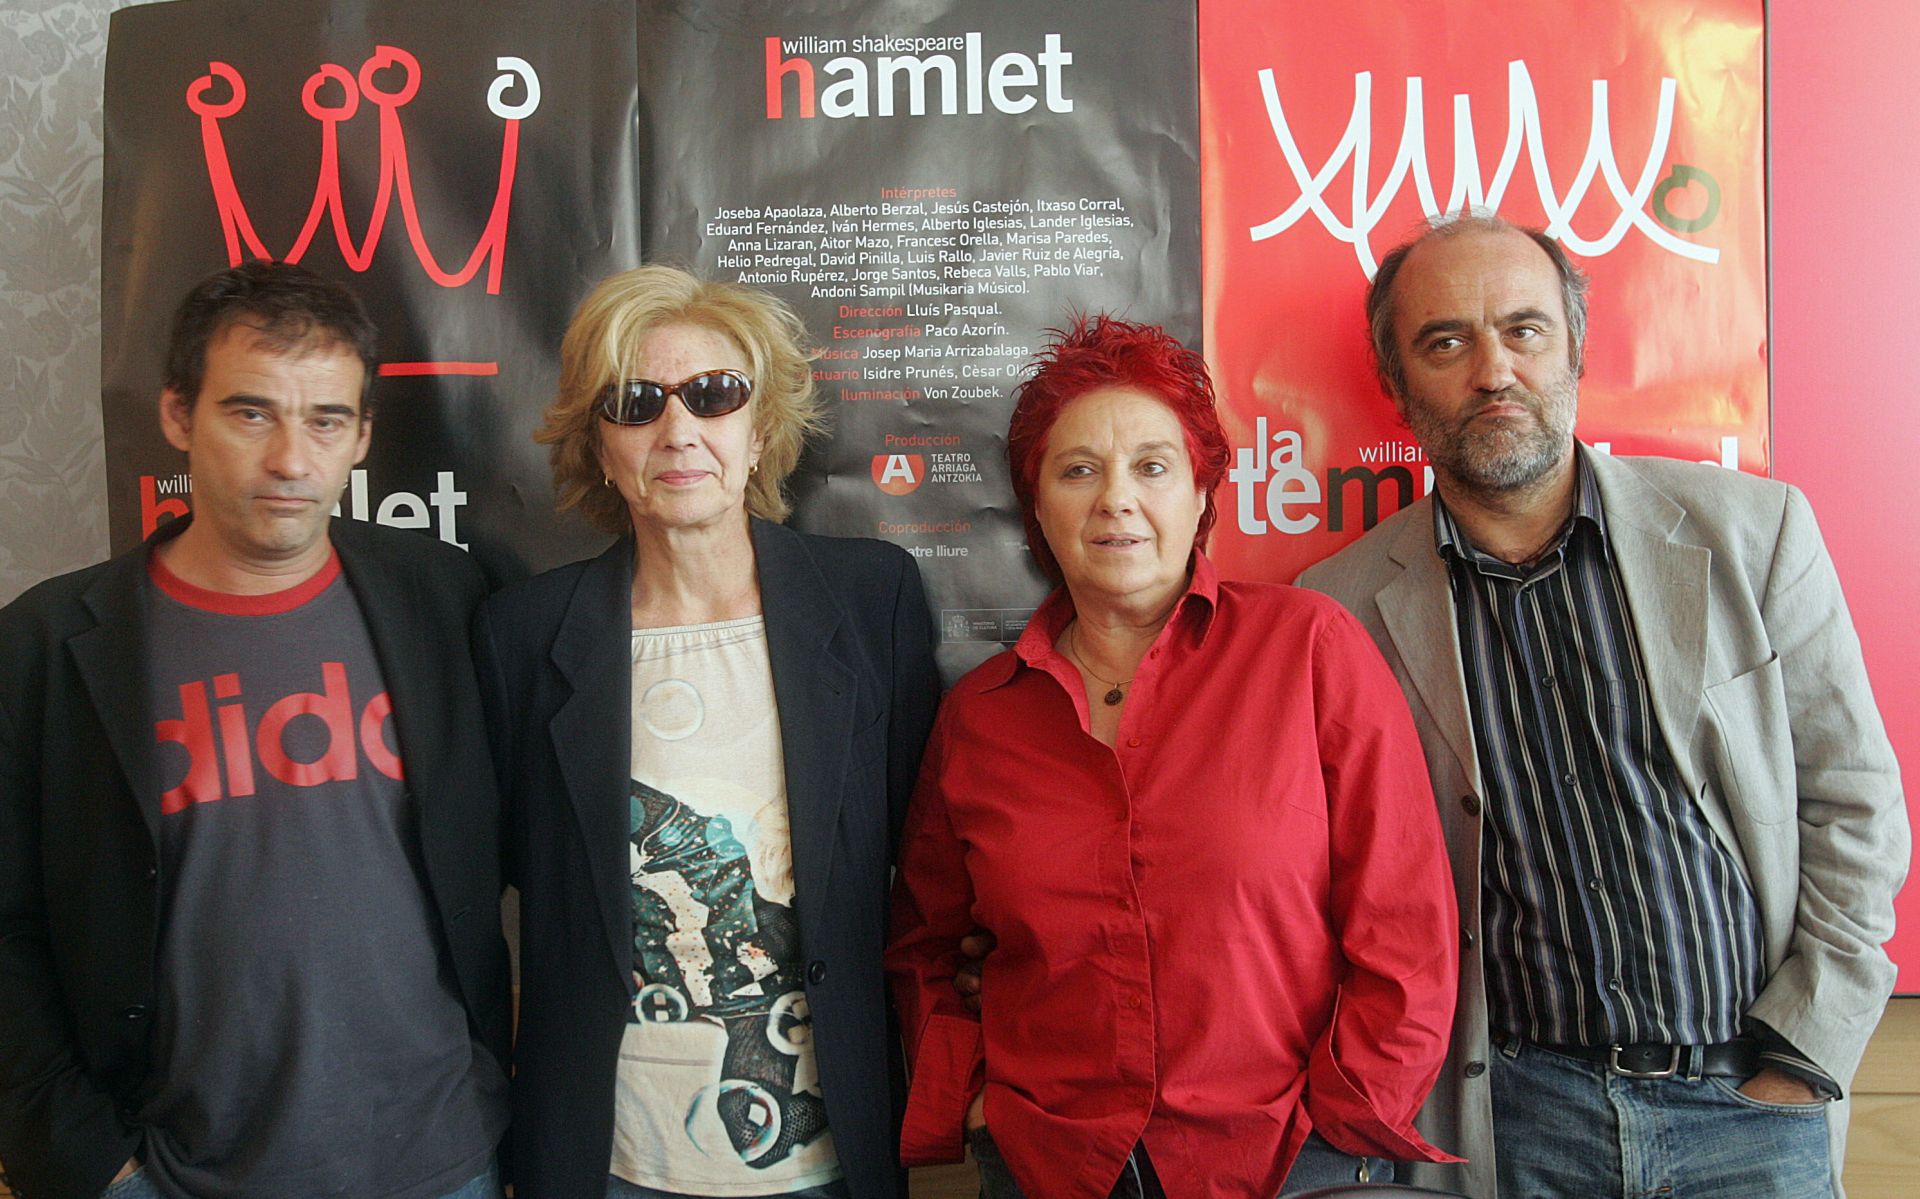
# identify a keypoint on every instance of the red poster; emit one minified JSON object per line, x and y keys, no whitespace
{"x":1633,"y":133}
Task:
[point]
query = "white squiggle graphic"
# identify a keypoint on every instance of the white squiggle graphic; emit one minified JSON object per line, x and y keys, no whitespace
{"x":511,"y":68}
{"x":1523,"y":126}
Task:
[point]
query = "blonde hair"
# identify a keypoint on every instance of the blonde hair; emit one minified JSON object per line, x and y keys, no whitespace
{"x":598,"y":349}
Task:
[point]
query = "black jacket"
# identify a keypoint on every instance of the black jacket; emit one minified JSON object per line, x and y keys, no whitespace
{"x":850,"y":641}
{"x":79,"y":885}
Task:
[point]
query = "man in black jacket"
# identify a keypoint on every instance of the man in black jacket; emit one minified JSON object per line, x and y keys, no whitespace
{"x":248,"y":830}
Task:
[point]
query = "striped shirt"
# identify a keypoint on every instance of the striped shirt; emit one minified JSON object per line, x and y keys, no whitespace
{"x":1610,"y":911}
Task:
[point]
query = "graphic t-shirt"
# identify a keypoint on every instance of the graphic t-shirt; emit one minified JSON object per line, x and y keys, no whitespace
{"x":308,"y":1037}
{"x":717,"y":1093}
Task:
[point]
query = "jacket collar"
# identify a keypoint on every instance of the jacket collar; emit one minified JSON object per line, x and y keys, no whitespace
{"x":1416,"y":606}
{"x":111,"y":658}
{"x":416,"y":671}
{"x":1664,"y":574}
{"x":813,"y":683}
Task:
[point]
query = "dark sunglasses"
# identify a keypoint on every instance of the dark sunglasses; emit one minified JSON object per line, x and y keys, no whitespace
{"x":641,"y":401}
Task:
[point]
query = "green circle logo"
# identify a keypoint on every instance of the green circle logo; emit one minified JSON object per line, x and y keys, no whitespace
{"x":1680,"y":177}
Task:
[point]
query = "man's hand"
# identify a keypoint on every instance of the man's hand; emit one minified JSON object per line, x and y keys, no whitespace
{"x":1777,"y":1086}
{"x":977,"y":1112}
{"x":974,"y":948}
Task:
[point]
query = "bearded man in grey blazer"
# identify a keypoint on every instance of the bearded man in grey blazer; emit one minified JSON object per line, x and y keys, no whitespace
{"x":1675,"y":820}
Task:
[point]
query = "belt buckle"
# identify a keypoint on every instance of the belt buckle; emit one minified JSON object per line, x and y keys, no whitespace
{"x":1673,"y":1064}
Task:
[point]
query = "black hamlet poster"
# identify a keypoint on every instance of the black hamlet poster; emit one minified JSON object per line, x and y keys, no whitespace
{"x":932,"y":186}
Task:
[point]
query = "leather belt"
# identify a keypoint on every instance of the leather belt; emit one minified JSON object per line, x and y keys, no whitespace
{"x":1738,"y":1058}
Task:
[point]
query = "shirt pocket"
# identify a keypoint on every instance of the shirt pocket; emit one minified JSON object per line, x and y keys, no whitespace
{"x":1752,"y":744}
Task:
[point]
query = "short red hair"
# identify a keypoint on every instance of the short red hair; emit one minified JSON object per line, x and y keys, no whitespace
{"x":1103,"y":351}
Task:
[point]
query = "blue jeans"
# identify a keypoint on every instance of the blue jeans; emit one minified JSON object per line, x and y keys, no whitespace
{"x":1569,"y":1127}
{"x":486,"y":1186}
{"x":620,"y":1188}
{"x":136,"y":1185}
{"x":139,"y":1185}
{"x":1318,"y":1165}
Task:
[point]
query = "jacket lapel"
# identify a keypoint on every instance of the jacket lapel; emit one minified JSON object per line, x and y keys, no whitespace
{"x":1417,"y":609}
{"x":1665,"y":580}
{"x":112,"y":660}
{"x":385,"y":597}
{"x":814,"y":687}
{"x":592,"y":732}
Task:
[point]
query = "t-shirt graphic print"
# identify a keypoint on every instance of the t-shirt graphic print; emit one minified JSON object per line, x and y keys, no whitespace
{"x":717,"y":1092}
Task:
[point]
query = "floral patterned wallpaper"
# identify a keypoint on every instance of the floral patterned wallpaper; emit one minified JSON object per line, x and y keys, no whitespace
{"x":53,"y":508}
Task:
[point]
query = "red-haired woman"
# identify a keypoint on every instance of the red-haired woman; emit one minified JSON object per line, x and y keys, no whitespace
{"x":1196,"y":817}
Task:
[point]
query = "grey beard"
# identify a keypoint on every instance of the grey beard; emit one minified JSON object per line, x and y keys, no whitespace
{"x":1503,"y":462}
{"x":1498,"y":460}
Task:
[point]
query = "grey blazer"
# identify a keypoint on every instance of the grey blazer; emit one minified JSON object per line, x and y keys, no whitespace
{"x":1759,"y":689}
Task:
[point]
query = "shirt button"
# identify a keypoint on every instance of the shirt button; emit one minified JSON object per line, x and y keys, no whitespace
{"x":1133,"y":742}
{"x":817,"y":973}
{"x":1466,"y":935}
{"x":1126,"y":904}
{"x":1568,"y":778}
{"x":1475,"y":1069}
{"x":1547,"y":680}
{"x":1133,"y":1000}
{"x":1613,"y":984}
{"x":1471,"y":804}
{"x":1593,"y":884}
{"x":136,"y":1012}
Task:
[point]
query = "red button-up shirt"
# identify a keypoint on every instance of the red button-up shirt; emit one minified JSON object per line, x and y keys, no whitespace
{"x":1233,"y":927}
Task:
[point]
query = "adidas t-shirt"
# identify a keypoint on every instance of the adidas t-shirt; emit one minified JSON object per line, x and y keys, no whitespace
{"x":308,"y":1035}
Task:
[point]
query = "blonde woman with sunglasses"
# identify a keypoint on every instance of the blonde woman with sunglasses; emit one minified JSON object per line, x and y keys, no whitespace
{"x":706,"y":736}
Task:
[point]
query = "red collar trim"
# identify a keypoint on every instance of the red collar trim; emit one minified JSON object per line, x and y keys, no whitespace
{"x":273,"y":603}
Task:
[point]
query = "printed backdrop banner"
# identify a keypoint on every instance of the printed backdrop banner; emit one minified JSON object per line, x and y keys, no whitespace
{"x":469,"y":178}
{"x":932,"y":186}
{"x":1633,"y":133}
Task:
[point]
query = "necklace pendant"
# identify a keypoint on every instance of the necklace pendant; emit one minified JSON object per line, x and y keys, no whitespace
{"x":1114,"y":696}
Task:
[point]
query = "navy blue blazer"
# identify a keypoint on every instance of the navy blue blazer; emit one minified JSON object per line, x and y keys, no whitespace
{"x":850,"y":640}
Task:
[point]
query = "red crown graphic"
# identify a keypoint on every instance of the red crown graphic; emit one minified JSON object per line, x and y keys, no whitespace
{"x":395,"y":176}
